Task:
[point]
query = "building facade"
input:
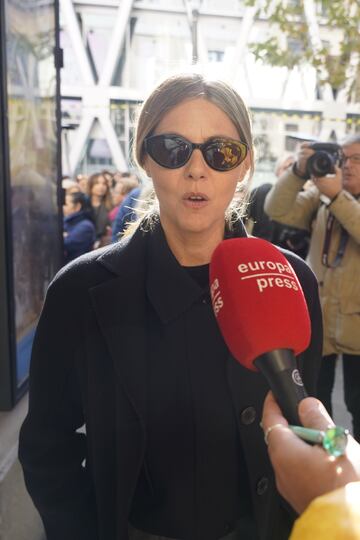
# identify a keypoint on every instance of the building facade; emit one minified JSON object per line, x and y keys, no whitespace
{"x":115,"y":51}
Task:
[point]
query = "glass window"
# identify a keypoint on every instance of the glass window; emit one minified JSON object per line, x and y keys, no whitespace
{"x":215,"y":56}
{"x":31,"y":89}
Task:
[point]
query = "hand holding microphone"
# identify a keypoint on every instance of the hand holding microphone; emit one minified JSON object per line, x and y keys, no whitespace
{"x":304,"y":472}
{"x":262,"y":313}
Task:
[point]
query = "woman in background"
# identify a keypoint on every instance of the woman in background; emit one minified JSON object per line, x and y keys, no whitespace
{"x":123,"y":186}
{"x":101,"y":204}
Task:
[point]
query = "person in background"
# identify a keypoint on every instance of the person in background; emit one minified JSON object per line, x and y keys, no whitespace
{"x":128,"y":344}
{"x":329,"y":209}
{"x":125,"y":213}
{"x":323,"y":489}
{"x":69,"y":186}
{"x":101,"y":204}
{"x":283,"y":163}
{"x":79,"y":230}
{"x":133,"y":205}
{"x":122,"y":187}
{"x":260,"y":225}
{"x":109,"y":177}
{"x":119,"y":176}
{"x":82,"y":180}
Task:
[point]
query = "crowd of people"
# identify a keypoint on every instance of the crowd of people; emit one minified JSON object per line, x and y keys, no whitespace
{"x":175,"y":445}
{"x":95,"y":210}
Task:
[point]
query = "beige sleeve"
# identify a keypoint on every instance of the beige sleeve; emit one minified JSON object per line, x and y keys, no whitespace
{"x":346,"y":209}
{"x":288,"y":204}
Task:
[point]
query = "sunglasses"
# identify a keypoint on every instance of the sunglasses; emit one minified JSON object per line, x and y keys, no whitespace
{"x":173,"y":151}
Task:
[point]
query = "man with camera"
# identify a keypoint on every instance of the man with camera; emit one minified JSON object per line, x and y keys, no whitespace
{"x":330,"y":210}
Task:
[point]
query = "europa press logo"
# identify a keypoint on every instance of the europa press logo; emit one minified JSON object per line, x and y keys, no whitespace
{"x":269,"y":274}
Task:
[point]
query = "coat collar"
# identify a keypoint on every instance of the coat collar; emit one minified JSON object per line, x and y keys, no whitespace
{"x":142,"y":266}
{"x":170,"y":288}
{"x":128,"y":248}
{"x":145,"y":258}
{"x":76,"y":217}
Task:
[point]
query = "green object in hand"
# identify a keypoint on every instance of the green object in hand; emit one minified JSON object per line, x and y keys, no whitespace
{"x":333,"y":440}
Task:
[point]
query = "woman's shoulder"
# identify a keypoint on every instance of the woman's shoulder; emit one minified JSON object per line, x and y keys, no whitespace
{"x":93,"y":267}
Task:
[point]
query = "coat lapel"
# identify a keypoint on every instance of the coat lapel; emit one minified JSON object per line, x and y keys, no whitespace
{"x":120,"y":308}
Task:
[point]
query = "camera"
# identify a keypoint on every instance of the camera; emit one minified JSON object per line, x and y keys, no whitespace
{"x":323,"y":162}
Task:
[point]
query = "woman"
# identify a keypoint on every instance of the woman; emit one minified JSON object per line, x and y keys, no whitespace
{"x":122,"y":187}
{"x":82,"y":180}
{"x":101,"y":204}
{"x":129,"y":346}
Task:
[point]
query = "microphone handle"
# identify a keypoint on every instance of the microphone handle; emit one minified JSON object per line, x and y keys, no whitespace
{"x":280,"y":369}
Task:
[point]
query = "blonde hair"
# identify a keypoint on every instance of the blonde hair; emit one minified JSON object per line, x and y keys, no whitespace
{"x":182,"y":87}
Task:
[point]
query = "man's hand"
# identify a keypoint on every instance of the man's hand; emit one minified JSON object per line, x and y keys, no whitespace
{"x":302,"y":155}
{"x":330,"y":185}
{"x":304,"y":472}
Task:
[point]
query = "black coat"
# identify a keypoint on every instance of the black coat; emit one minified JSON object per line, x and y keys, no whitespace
{"x":88,"y":366}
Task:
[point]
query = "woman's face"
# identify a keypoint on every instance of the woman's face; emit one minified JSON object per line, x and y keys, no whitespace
{"x":83,"y":182}
{"x":117,"y":193}
{"x":194,"y":198}
{"x":100,"y":187}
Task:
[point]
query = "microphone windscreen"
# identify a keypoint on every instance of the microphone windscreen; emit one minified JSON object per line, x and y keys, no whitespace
{"x":257,"y":300}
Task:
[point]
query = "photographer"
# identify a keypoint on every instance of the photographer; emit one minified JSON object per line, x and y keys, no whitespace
{"x":330,"y":210}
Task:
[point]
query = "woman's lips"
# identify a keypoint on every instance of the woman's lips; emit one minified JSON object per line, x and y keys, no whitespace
{"x":195,"y":200}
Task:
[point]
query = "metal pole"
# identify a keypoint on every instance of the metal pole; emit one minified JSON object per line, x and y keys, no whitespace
{"x":194,"y":34}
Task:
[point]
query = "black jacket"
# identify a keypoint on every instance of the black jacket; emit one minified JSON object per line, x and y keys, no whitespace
{"x":88,"y":366}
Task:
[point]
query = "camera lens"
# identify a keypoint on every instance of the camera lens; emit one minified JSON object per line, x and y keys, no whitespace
{"x":320,"y":164}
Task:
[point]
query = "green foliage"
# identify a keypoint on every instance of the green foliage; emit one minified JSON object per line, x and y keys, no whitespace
{"x":288,"y":25}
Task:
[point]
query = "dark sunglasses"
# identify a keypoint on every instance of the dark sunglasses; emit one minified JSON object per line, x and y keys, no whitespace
{"x":173,"y":151}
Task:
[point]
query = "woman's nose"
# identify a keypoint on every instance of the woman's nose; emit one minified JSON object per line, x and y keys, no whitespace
{"x":196,"y":167}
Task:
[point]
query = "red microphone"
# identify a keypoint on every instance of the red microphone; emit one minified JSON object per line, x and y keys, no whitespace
{"x":262,"y":313}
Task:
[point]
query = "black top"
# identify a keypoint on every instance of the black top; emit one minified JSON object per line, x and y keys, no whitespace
{"x":193,"y":459}
{"x":200,"y":274}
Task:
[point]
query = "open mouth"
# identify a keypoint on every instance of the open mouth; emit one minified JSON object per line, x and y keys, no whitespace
{"x":195,"y":197}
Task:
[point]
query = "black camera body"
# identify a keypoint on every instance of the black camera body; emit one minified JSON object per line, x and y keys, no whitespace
{"x":323,"y":162}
